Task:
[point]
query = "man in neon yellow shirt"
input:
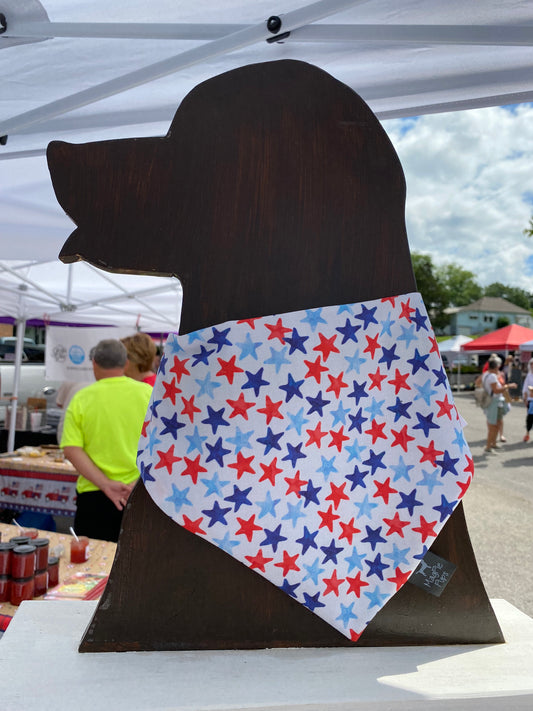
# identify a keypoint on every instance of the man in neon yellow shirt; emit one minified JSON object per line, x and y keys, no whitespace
{"x":101,"y":432}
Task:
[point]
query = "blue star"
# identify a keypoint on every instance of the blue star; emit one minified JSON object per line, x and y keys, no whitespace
{"x":345,"y":307}
{"x":268,"y":506}
{"x":248,"y":347}
{"x":241,"y":439}
{"x":355,"y":560}
{"x":226,"y":544}
{"x":294,"y":454}
{"x":402,"y":469}
{"x":215,"y":419}
{"x":277,"y":358}
{"x":297,"y":421}
{"x":171,"y":425}
{"x":317,"y":404}
{"x":292,"y":388}
{"x":294,"y":512}
{"x":373,"y":536}
{"x":288,"y":588}
{"x":376,"y":567}
{"x":270,"y":440}
{"x":355,"y":450}
{"x":365,"y":507}
{"x":355,"y":362}
{"x":331,"y":552}
{"x":153,"y":408}
{"x":386,"y":326}
{"x":409,"y":501}
{"x":446,"y":508}
{"x":398,"y":556}
{"x":389,"y":356}
{"x":219,"y":338}
{"x":195,"y":441}
{"x":144,"y":471}
{"x":418,"y":361}
{"x":214,"y":485}
{"x":448,"y":464}
{"x":194,"y":336}
{"x":400,"y":409}
{"x":339,"y":415}
{"x":273,"y":538}
{"x":217,"y":452}
{"x":420,"y":320}
{"x":310,"y":494}
{"x":255,"y":381}
{"x":312,"y":601}
{"x":296,"y":342}
{"x":153,"y":440}
{"x":327,"y":467}
{"x":307,"y":540}
{"x":408,"y":335}
{"x":172,"y":345}
{"x":313,"y":318}
{"x":425,"y":423}
{"x":239,"y":497}
{"x":313,"y":571}
{"x":163,"y":364}
{"x":376,"y":598}
{"x":202,"y":356}
{"x":459,"y":439}
{"x":421,"y":556}
{"x":358,"y":391}
{"x":357,"y":420}
{"x":348,"y":331}
{"x":441,"y":377}
{"x":357,"y":478}
{"x":179,"y":498}
{"x":374,"y":409}
{"x":374,"y":461}
{"x":216,"y":514}
{"x":367,"y":315}
{"x":430,"y":480}
{"x":347,"y":614}
{"x":425,"y":391}
{"x":207,"y":386}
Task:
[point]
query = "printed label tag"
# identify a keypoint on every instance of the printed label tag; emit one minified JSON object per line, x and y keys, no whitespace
{"x":433,"y":574}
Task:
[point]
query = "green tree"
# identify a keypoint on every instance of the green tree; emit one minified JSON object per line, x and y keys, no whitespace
{"x":460,"y":284}
{"x":514,"y":294}
{"x":529,"y":229}
{"x":433,"y":291}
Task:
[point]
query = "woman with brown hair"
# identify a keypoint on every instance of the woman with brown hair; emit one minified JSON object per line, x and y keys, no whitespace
{"x":141,"y":353}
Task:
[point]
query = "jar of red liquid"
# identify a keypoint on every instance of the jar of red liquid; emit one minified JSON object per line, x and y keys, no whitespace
{"x":5,"y":588}
{"x":23,"y":561}
{"x":53,"y":572}
{"x":21,"y":589}
{"x":79,"y":549}
{"x":5,"y":557}
{"x":31,"y":533}
{"x":41,"y":554}
{"x":40,"y":581}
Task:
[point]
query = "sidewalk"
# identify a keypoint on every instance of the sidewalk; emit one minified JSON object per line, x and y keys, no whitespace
{"x":499,"y":505}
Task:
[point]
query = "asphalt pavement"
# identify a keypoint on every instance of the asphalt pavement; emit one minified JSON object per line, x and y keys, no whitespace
{"x":499,"y":504}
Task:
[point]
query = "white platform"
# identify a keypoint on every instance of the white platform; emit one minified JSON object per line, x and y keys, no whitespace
{"x":41,"y":669}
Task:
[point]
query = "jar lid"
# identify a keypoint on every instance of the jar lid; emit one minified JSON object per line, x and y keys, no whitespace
{"x":41,"y":571}
{"x":53,"y":560}
{"x":7,"y":546}
{"x":22,"y":580}
{"x":5,"y":578}
{"x":23,"y":550}
{"x":40,"y":542}
{"x":20,"y":540}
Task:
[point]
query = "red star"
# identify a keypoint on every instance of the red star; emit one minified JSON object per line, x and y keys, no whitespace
{"x":295,"y":484}
{"x":400,"y":578}
{"x":355,"y":584}
{"x":470,"y":467}
{"x":328,"y":518}
{"x":333,"y":584}
{"x":289,"y":563}
{"x":179,"y":368}
{"x":315,"y":369}
{"x":384,"y":490}
{"x":271,"y":409}
{"x":445,"y":407}
{"x":278,"y":331}
{"x":326,"y":346}
{"x":193,"y":468}
{"x":348,"y":530}
{"x":372,"y":346}
{"x":171,"y":391}
{"x":426,"y":528}
{"x":399,"y":382}
{"x":430,"y":454}
{"x":189,"y":407}
{"x":396,"y":525}
{"x":270,"y":471}
{"x":407,"y":310}
{"x":315,"y":436}
{"x":228,"y":368}
{"x":463,"y":486}
{"x":336,"y":384}
{"x":167,"y":459}
{"x":377,"y":378}
{"x":377,"y":431}
{"x":337,"y":494}
{"x":258,"y":561}
{"x":193,"y":526}
{"x":401,"y":438}
{"x":143,"y":430}
{"x":337,"y":438}
{"x":354,"y":636}
{"x":392,"y":300}
{"x":243,"y":464}
{"x":248,"y":527}
{"x":434,"y":344}
{"x":249,"y":321}
{"x":240,"y":406}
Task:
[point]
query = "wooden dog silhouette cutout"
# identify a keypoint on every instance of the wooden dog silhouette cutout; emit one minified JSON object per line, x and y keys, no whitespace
{"x":275,"y":190}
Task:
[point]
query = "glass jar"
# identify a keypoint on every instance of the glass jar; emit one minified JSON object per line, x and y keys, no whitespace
{"x":41,"y":554}
{"x":5,"y":588}
{"x":21,"y":589}
{"x":23,"y":561}
{"x":40,"y":582}
{"x":53,"y":572}
{"x":5,"y":557}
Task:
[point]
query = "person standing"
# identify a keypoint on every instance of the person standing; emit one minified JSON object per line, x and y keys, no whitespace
{"x":141,"y":355}
{"x":527,"y":396}
{"x":101,"y":431}
{"x":498,"y":406}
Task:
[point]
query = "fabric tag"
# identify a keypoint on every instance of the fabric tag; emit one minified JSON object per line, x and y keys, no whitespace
{"x":433,"y":574}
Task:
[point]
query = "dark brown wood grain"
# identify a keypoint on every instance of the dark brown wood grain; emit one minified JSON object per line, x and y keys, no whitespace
{"x":276,"y":189}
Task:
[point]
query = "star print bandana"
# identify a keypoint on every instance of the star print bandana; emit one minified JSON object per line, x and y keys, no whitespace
{"x":320,"y":448}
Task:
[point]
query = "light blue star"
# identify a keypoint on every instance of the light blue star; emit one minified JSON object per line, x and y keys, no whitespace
{"x":226,"y":544}
{"x":268,"y":506}
{"x":355,"y":362}
{"x":214,"y":485}
{"x":206,"y":386}
{"x":172,"y":346}
{"x":401,"y":469}
{"x":386,"y":325}
{"x":277,"y":358}
{"x":196,"y":336}
{"x":376,"y":597}
{"x":459,"y":438}
{"x":339,"y":415}
{"x":195,"y":441}
{"x":241,"y":439}
{"x":355,"y":560}
{"x":425,"y":392}
{"x":248,"y":347}
{"x":153,"y":440}
{"x":374,"y":409}
{"x":297,"y":421}
{"x":179,"y":498}
{"x":345,"y":307}
{"x":313,"y":318}
{"x":346,"y":614}
{"x":398,"y":556}
{"x":328,"y":466}
{"x":313,"y":571}
{"x":355,"y":450}
{"x":365,"y":507}
{"x":430,"y":479}
{"x":408,"y":335}
{"x":294,"y":512}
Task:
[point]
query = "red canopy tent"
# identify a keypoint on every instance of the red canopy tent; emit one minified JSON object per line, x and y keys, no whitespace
{"x":506,"y":339}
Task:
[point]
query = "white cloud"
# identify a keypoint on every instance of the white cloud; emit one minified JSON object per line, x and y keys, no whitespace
{"x":470,"y":189}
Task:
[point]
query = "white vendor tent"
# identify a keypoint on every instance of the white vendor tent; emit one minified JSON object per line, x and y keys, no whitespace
{"x":451,"y":347}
